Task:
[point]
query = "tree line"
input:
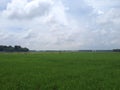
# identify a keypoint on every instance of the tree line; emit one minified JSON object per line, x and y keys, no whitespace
{"x":16,"y":48}
{"x":116,"y":50}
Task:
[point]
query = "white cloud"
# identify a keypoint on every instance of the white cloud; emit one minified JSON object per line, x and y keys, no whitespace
{"x":110,"y":16}
{"x":18,"y":9}
{"x":3,"y":4}
{"x":51,"y":24}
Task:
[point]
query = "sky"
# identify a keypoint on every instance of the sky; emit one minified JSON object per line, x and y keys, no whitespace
{"x":60,"y":24}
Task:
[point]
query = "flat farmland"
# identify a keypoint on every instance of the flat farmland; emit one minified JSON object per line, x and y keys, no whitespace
{"x":60,"y":71}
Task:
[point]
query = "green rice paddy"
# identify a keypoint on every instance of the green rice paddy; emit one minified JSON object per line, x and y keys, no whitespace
{"x":60,"y":71}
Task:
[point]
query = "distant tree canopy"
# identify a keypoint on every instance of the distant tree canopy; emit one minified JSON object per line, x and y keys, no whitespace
{"x":116,"y":50}
{"x":16,"y":48}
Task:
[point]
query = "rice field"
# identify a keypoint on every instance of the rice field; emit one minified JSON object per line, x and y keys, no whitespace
{"x":60,"y":71}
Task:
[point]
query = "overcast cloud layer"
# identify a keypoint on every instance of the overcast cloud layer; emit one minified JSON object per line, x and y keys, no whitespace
{"x":60,"y":24}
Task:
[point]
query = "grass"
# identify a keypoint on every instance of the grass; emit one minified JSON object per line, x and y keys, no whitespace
{"x":59,"y":71}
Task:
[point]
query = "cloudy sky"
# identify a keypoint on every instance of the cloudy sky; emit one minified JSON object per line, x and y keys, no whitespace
{"x":60,"y":24}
